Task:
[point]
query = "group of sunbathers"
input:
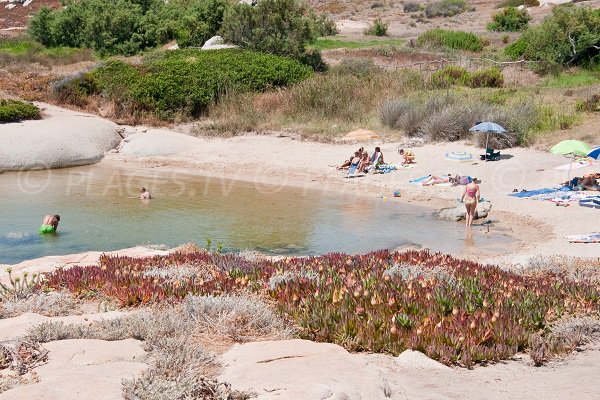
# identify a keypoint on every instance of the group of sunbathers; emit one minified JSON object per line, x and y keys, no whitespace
{"x":587,"y":182}
{"x":363,"y":163}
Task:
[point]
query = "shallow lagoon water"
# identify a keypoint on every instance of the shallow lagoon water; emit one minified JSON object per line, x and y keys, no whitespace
{"x":100,"y":210}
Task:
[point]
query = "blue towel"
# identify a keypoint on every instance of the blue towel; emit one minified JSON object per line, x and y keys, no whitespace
{"x":418,"y":180}
{"x":530,"y":193}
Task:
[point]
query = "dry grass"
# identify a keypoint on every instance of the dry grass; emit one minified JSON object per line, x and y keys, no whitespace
{"x":578,"y":269}
{"x":325,"y":106}
{"x":564,"y":336}
{"x":176,"y":339}
{"x":51,"y":304}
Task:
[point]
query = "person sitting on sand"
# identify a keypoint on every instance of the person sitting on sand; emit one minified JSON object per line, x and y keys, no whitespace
{"x":144,"y":194}
{"x":408,"y":156}
{"x":590,"y":182}
{"x":470,"y":198}
{"x":348,"y":162}
{"x":363,"y":166}
{"x":377,"y":158}
{"x":50,"y":224}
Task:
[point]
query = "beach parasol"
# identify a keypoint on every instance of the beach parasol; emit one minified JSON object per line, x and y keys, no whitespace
{"x":594,"y":153}
{"x":459,"y":156}
{"x":361,"y":134}
{"x":570,"y":147}
{"x":488,"y":128}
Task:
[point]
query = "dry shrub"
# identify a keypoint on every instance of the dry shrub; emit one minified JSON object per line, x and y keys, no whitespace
{"x":179,"y":363}
{"x":563,"y":337}
{"x":575,"y":268}
{"x":51,"y":304}
{"x":18,"y":358}
{"x":239,"y":318}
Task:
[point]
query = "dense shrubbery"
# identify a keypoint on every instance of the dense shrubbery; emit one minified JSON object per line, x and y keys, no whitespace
{"x":569,"y":36}
{"x":127,"y":27}
{"x":183,"y":83}
{"x":282,"y":27}
{"x":454,"y":75}
{"x":15,"y":111}
{"x":445,"y":8}
{"x":377,"y":28}
{"x":510,"y":19}
{"x":449,"y":76}
{"x":457,"y":40}
{"x":448,"y":117}
{"x":489,"y":77}
{"x":458,"y":312}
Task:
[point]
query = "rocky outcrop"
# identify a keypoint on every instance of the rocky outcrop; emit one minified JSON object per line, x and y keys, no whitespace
{"x":63,"y":138}
{"x":459,"y":212}
{"x":215,"y":43}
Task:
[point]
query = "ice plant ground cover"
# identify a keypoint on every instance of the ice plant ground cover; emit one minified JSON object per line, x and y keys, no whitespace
{"x":455,"y":311}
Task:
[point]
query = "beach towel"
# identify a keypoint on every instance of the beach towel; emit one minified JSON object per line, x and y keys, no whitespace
{"x":386,"y":168}
{"x":587,"y":238}
{"x":531,"y":193}
{"x":575,"y":165}
{"x":590,"y":201}
{"x":418,"y":181}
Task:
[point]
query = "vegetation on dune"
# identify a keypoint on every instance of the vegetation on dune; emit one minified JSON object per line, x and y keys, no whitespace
{"x":445,"y":8}
{"x":458,"y":312}
{"x":25,"y":50}
{"x":510,"y":19}
{"x":454,"y":75}
{"x":180,"y":84}
{"x":455,"y":40}
{"x":447,"y":117}
{"x":127,"y":27}
{"x":15,"y":111}
{"x":570,"y":36}
{"x":377,"y":28}
{"x":332,"y":43}
{"x":517,"y":3}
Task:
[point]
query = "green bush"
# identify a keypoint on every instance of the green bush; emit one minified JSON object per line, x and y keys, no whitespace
{"x":510,"y":19}
{"x":516,"y":49}
{"x":454,"y":75}
{"x":490,"y":77}
{"x":15,"y":111}
{"x":443,"y":39}
{"x":449,"y":76}
{"x":107,"y":26}
{"x":325,"y":26}
{"x":183,"y":83}
{"x":378,"y":28}
{"x":282,"y":27}
{"x":517,"y":3}
{"x":569,"y":36}
{"x":445,"y":8}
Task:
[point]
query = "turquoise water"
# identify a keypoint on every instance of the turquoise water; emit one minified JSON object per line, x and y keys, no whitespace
{"x":99,"y":211}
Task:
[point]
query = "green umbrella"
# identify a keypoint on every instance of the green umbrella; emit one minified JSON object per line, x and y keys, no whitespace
{"x":574,"y":147}
{"x":571,"y":147}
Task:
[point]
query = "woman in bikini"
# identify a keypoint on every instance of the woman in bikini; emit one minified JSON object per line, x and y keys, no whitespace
{"x":470,"y":197}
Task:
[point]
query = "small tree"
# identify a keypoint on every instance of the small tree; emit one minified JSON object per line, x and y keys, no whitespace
{"x":282,"y":27}
{"x":569,"y":36}
{"x":379,"y":28}
{"x":510,"y":19}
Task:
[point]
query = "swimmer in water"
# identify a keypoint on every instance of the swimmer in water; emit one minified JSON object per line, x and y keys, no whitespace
{"x":144,"y":194}
{"x":50,"y":224}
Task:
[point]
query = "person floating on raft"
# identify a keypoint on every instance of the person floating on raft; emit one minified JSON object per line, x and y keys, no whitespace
{"x":50,"y":224}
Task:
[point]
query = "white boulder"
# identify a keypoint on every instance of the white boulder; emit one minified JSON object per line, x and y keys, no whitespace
{"x":459,"y":212}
